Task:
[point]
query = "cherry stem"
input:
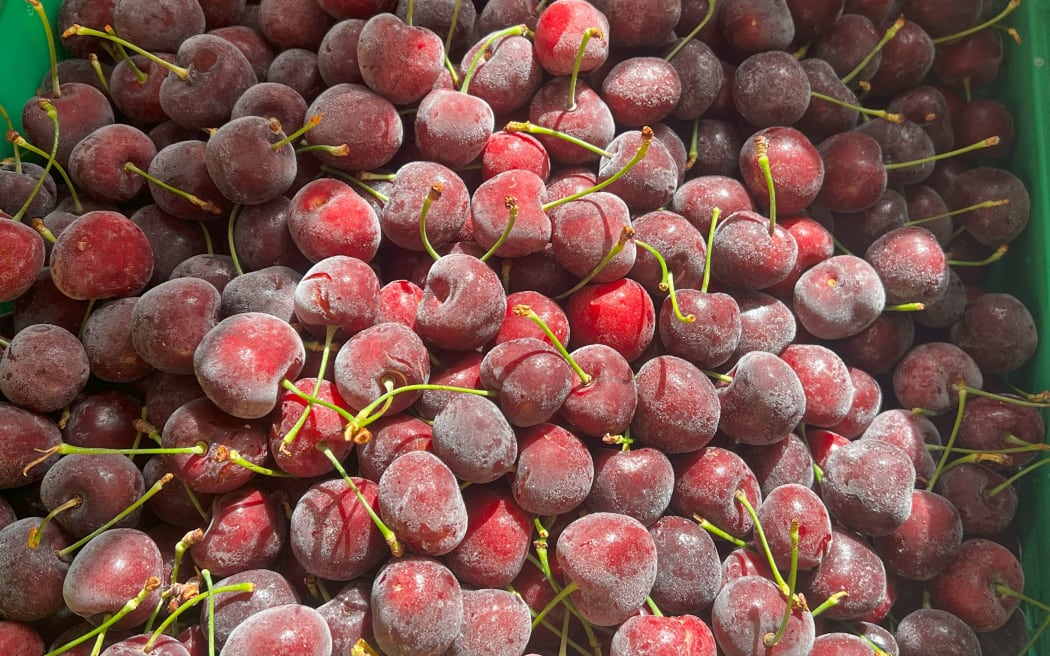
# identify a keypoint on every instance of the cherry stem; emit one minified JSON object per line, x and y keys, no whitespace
{"x":206,"y":575}
{"x":342,"y":412}
{"x":762,"y":151}
{"x":625,"y":235}
{"x":329,"y":335}
{"x":1023,"y":403}
{"x":962,"y":210}
{"x":247,"y":586}
{"x":714,"y":375}
{"x":357,"y":182}
{"x":97,"y":67}
{"x":975,"y":457}
{"x":205,"y":205}
{"x":742,"y":499}
{"x":409,"y":11}
{"x":558,"y":598}
{"x":11,"y":130}
{"x":484,"y":52}
{"x":39,"y":9}
{"x":667,"y":282}
{"x":314,"y":121}
{"x":52,"y":115}
{"x":588,"y":34}
{"x":187,"y":542}
{"x":1010,"y":6}
{"x":717,"y":532}
{"x":877,"y":113}
{"x":994,"y":257}
{"x":80,"y":30}
{"x":391,"y":539}
{"x":978,"y":145}
{"x":890,"y":33}
{"x":991,"y":492}
{"x":452,"y":25}
{"x":951,"y":440}
{"x":154,"y":489}
{"x":694,"y":149}
{"x":716,"y":213}
{"x":770,"y":640}
{"x":623,"y":441}
{"x":1031,"y":446}
{"x":234,"y":213}
{"x":530,"y":314}
{"x":511,"y":203}
{"x":342,"y":150}
{"x":839,"y":245}
{"x":226,"y":454}
{"x":1007,"y":591}
{"x":63,"y":448}
{"x":531,"y":128}
{"x":696,"y":30}
{"x":1035,"y":636}
{"x":152,"y":583}
{"x":35,"y":534}
{"x":818,"y":473}
{"x":639,"y":155}
{"x":195,"y":501}
{"x":433,"y":194}
{"x":831,"y":601}
{"x":905,"y":307}
{"x":365,"y":417}
{"x":653,"y":607}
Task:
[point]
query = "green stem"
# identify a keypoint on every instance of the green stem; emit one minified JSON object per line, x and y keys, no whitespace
{"x":1010,"y":6}
{"x":717,"y":532}
{"x":247,"y":586}
{"x":625,"y":235}
{"x":639,"y":155}
{"x":391,"y":539}
{"x":962,"y":210}
{"x":983,"y":143}
{"x":830,"y":602}
{"x":696,"y":30}
{"x":511,"y":204}
{"x":205,"y":205}
{"x":342,"y":412}
{"x":312,"y":123}
{"x":762,"y":149}
{"x":151,"y":584}
{"x":994,"y":257}
{"x":368,"y":414}
{"x":433,"y":194}
{"x":52,"y":115}
{"x":988,"y":494}
{"x":99,"y":73}
{"x":357,"y":182}
{"x":517,"y":30}
{"x":781,"y":583}
{"x":532,"y":128}
{"x":164,"y":480}
{"x":768,"y":640}
{"x":530,"y":314}
{"x":558,"y":598}
{"x":716,"y":213}
{"x":890,"y":33}
{"x":329,"y":335}
{"x":652,"y":606}
{"x":876,"y":113}
{"x":588,"y":34}
{"x":206,"y":575}
{"x":52,"y":52}
{"x":80,"y":30}
{"x":234,"y":213}
{"x":946,"y":454}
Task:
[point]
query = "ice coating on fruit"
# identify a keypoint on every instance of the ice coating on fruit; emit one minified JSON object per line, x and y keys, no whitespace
{"x":419,"y":499}
{"x":838,"y":297}
{"x":867,"y":486}
{"x":417,"y":606}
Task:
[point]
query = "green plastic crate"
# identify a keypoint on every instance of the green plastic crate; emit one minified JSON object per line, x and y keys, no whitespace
{"x":1024,"y":85}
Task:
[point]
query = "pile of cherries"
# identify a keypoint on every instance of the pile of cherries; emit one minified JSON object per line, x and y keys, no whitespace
{"x":630,"y":327}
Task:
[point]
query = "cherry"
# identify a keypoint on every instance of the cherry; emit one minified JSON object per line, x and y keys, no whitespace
{"x":554,"y":473}
{"x":976,"y":585}
{"x":618,"y":314}
{"x":497,"y":541}
{"x":560,"y":32}
{"x":453,"y":127}
{"x":867,"y":486}
{"x":332,"y":535}
{"x":247,"y":531}
{"x":491,"y":617}
{"x":327,"y":218}
{"x":838,"y":297}
{"x":474,"y":438}
{"x":705,"y":482}
{"x":934,"y":631}
{"x":926,"y":542}
{"x":274,"y":631}
{"x":43,"y":368}
{"x":83,"y":265}
{"x":762,"y":400}
{"x":417,"y":606}
{"x":650,"y":635}
{"x":759,"y":598}
{"x":753,"y":26}
{"x":607,"y":588}
{"x":419,"y":499}
{"x":756,"y":78}
{"x":365,"y":121}
{"x":678,"y":409}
